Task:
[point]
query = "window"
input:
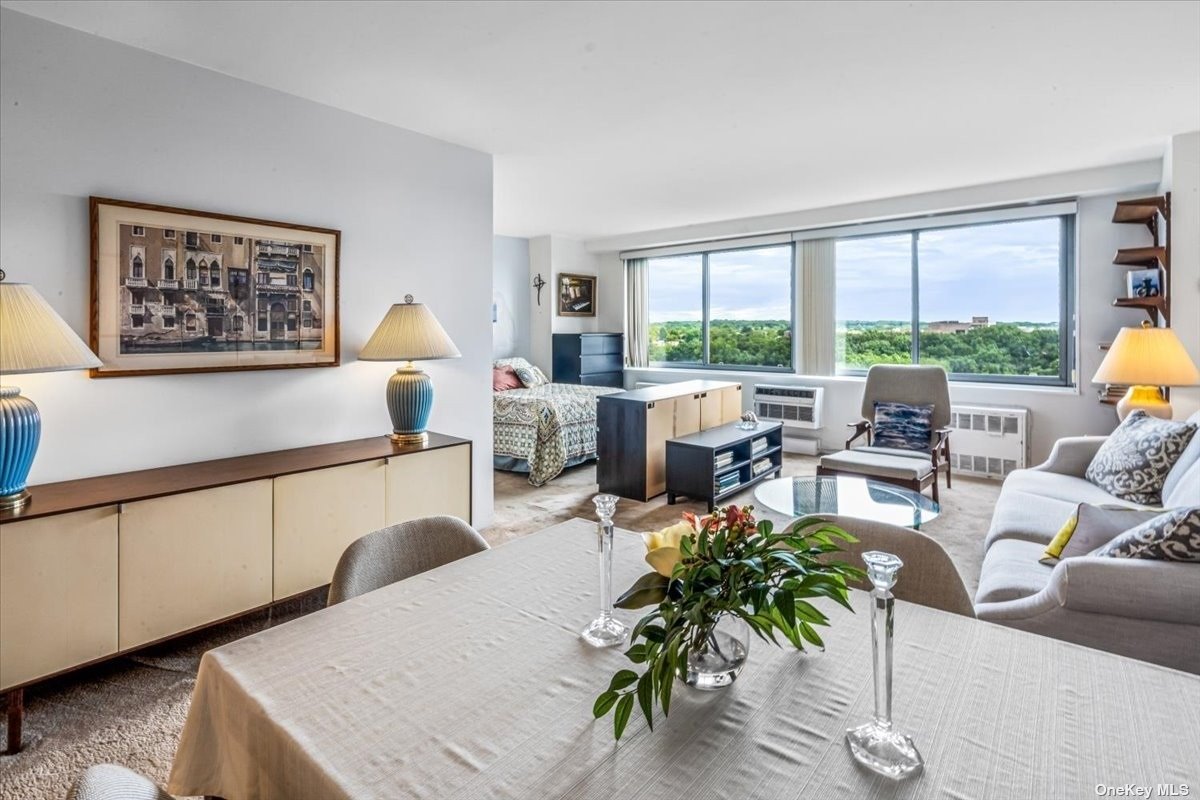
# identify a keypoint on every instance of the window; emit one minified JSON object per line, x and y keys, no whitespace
{"x":168,"y":233}
{"x":216,"y":238}
{"x":216,"y":277}
{"x":137,"y":320}
{"x":189,"y":321}
{"x":239,"y":324}
{"x":987,"y":301}
{"x":308,"y":248}
{"x":291,"y":280}
{"x":264,"y":278}
{"x":168,"y":269}
{"x":168,"y":321}
{"x":722,"y":308}
{"x":139,"y":230}
{"x":137,"y":269}
{"x":262,"y":322}
{"x":238,"y":240}
{"x":191,"y":239}
{"x":308,"y":280}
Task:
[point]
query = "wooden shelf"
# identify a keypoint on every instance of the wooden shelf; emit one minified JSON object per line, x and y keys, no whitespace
{"x":1153,"y":306}
{"x":1104,"y":346}
{"x":1141,"y":257}
{"x":1143,"y":211}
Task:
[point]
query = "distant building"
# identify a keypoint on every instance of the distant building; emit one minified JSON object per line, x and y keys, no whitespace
{"x":954,"y":326}
{"x":215,"y":291}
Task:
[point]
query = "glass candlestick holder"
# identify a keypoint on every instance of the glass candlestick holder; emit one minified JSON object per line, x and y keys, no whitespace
{"x":605,"y":630}
{"x":876,"y":745}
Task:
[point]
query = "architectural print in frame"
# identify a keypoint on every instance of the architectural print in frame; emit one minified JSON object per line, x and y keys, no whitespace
{"x":175,"y":290}
{"x":576,"y":295}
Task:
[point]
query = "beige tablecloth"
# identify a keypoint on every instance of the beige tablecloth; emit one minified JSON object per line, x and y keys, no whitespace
{"x":471,"y":682}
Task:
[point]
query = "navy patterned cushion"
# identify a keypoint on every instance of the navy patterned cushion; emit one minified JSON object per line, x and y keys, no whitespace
{"x":1173,"y":536}
{"x":1133,"y":462}
{"x":902,"y":426}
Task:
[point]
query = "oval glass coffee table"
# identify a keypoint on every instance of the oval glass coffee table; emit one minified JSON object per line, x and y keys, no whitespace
{"x":848,"y":495}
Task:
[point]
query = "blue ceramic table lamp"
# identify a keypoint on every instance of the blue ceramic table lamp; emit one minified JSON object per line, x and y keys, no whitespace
{"x":32,"y":339}
{"x":409,"y":332}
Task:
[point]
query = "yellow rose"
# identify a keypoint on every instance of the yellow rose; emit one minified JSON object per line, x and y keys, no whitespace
{"x":662,"y":547}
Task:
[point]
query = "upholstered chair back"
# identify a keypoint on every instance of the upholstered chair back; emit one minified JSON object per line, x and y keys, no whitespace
{"x":915,"y":385}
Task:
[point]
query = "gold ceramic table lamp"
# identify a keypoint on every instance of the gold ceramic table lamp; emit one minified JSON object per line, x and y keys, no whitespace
{"x":1146,"y":358}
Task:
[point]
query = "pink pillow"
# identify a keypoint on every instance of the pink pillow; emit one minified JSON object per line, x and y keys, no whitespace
{"x":504,"y":378}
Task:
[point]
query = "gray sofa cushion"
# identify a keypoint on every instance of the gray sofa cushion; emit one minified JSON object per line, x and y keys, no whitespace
{"x":1187,"y":466}
{"x":1133,"y":463}
{"x":1170,"y":536}
{"x":1011,"y":571}
{"x":1027,"y":517}
{"x":1062,"y":487}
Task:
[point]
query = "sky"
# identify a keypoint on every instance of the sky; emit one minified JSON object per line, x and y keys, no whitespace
{"x":1006,"y":271}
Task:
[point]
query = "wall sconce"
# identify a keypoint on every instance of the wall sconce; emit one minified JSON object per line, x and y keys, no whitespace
{"x":538,"y":283}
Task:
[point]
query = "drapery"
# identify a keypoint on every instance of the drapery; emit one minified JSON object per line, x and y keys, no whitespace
{"x":817,"y":306}
{"x":637,"y":317}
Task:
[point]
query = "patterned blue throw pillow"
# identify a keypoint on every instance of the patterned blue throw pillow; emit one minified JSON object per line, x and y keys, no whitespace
{"x":902,"y":426}
{"x":1173,"y":536}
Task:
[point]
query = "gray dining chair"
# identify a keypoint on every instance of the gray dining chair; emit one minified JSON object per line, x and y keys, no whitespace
{"x":399,"y":552}
{"x":114,"y":782}
{"x":928,"y":577}
{"x":915,"y":385}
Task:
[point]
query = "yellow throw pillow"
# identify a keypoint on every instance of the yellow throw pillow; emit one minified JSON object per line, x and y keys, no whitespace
{"x":1055,"y":548}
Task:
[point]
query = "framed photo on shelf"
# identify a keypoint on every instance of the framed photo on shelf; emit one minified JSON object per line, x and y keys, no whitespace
{"x":176,"y":290}
{"x":576,"y":295}
{"x":1143,"y":283}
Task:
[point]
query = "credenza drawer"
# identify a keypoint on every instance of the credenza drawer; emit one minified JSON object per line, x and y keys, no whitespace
{"x":608,"y":362}
{"x":597,"y":343}
{"x":615,"y":380}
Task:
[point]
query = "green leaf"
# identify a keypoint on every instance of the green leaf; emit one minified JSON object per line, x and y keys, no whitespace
{"x":621,"y":719}
{"x":650,"y":589}
{"x":787,"y":607}
{"x":636,"y":653}
{"x":604,"y":704}
{"x":654,"y":633}
{"x":645,"y":696}
{"x":622,"y":680}
{"x":808,"y":633}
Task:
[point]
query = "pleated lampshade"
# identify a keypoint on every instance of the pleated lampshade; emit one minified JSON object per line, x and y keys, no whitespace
{"x":409,"y":332}
{"x":33,"y":338}
{"x":1147,"y":356}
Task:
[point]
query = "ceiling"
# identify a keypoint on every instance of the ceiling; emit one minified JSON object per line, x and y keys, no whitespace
{"x":613,"y":117}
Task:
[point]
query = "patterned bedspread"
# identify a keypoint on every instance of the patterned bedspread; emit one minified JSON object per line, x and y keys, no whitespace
{"x":547,"y":426}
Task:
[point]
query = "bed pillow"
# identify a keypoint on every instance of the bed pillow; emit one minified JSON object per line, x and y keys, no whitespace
{"x":1173,"y":536}
{"x":1134,"y":461}
{"x":504,"y":378}
{"x":902,"y":426}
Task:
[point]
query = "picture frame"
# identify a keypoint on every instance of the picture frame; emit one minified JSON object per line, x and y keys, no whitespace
{"x":576,"y":295}
{"x":1143,"y":283}
{"x":175,"y":290}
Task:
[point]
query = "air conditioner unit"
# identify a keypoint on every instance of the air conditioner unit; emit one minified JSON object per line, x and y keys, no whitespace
{"x":989,"y":441}
{"x":794,"y":406}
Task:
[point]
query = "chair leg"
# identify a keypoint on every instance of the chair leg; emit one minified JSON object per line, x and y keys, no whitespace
{"x":947,"y":464}
{"x":16,"y":715}
{"x":935,"y":488}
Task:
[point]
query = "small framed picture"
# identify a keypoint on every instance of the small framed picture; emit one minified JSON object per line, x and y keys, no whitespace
{"x":576,"y":295}
{"x":1143,"y":283}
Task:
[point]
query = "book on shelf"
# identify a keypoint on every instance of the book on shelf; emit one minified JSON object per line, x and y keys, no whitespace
{"x":758,"y":445}
{"x":723,"y":459}
{"x":762,"y":465}
{"x":726,"y":482}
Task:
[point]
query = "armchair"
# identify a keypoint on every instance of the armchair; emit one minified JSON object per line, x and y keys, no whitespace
{"x":914,"y":469}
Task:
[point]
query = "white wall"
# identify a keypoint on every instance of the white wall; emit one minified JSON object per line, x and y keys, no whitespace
{"x":1057,"y":412}
{"x":510,"y":296}
{"x":83,"y":116}
{"x":1181,"y":176}
{"x":550,"y":256}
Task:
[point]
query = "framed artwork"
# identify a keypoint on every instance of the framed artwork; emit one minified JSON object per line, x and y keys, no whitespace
{"x":1143,"y":283}
{"x":576,"y":295}
{"x":175,"y":290}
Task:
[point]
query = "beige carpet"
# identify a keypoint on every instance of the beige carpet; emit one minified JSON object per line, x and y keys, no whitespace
{"x":130,"y":711}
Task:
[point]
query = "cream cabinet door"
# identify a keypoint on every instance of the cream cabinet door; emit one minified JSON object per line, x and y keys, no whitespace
{"x":687,"y":414}
{"x":731,"y":404}
{"x":317,"y":515}
{"x":428,"y":484}
{"x":661,"y":419}
{"x":193,"y":558}
{"x":58,"y":593}
{"x":710,"y":409}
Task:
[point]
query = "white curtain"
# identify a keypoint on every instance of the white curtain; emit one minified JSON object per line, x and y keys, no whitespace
{"x":818,"y":306}
{"x":637,"y":317}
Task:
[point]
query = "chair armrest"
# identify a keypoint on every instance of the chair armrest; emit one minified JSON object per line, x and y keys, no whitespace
{"x":1135,"y":588}
{"x":860,"y":427}
{"x":1072,"y":455}
{"x":941,"y":445}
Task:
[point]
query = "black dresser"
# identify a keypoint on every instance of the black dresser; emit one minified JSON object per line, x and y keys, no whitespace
{"x":593,"y":359}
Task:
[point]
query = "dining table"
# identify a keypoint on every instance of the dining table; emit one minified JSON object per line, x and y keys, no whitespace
{"x":471,"y":681}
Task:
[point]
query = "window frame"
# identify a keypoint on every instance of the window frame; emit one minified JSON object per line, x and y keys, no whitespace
{"x":706,"y":308}
{"x":1066,"y":301}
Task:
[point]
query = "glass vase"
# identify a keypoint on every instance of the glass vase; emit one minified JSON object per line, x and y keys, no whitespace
{"x":605,"y":630}
{"x":876,"y":745}
{"x":717,"y":653}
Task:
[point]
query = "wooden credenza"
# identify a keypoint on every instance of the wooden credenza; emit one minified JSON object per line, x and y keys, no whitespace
{"x":634,"y":428}
{"x":94,"y":568}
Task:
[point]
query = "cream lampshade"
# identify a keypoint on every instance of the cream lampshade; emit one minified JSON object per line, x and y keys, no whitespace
{"x":32,"y":339}
{"x":409,"y":332}
{"x":1146,"y":358}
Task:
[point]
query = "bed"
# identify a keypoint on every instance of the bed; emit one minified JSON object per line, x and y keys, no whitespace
{"x":543,"y":428}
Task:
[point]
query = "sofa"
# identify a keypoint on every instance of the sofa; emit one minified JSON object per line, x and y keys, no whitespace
{"x":1145,"y":609}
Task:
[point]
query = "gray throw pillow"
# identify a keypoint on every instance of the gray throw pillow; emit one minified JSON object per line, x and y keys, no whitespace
{"x":1173,"y":536}
{"x":902,"y":426}
{"x":1133,"y":462}
{"x":531,"y":376}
